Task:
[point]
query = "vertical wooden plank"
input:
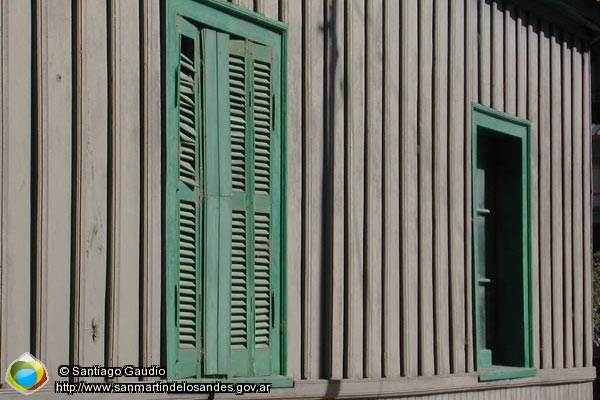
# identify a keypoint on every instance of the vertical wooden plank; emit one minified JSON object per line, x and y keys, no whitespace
{"x":425,"y":195}
{"x":391,"y":71}
{"x":532,"y":89}
{"x":471,"y":95}
{"x":374,"y":221}
{"x":16,"y":179}
{"x":587,"y":211}
{"x":92,"y":184}
{"x":259,"y":6}
{"x":293,"y":17}
{"x":440,"y":190}
{"x":125,"y":180}
{"x":567,"y":210}
{"x":270,"y":9}
{"x":336,"y":54}
{"x":556,"y":199}
{"x":247,"y":4}
{"x":485,"y":48}
{"x":510,"y":58}
{"x":578,"y":194}
{"x":355,"y":185}
{"x":151,"y":181}
{"x":544,"y":196}
{"x":497,"y":62}
{"x":409,"y":187}
{"x":456,"y":184}
{"x":54,"y":180}
{"x":313,"y":113}
{"x":522,"y":62}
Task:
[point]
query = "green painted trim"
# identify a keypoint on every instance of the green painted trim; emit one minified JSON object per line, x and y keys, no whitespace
{"x":244,"y":14}
{"x":224,"y":17}
{"x":507,"y":124}
{"x":283,"y":253}
{"x":495,"y":373}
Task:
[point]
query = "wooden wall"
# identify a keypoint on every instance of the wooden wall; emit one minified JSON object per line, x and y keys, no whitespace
{"x":378,"y":195}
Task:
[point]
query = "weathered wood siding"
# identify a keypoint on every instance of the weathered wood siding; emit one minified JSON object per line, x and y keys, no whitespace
{"x":379,"y":272}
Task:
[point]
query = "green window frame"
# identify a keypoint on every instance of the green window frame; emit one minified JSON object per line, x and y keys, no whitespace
{"x":501,"y":244}
{"x":225,"y":123}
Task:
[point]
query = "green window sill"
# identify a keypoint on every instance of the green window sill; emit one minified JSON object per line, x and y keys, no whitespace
{"x":498,"y":372}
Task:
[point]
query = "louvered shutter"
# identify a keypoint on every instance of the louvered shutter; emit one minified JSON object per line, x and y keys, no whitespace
{"x":184,"y":210}
{"x":255,"y":205}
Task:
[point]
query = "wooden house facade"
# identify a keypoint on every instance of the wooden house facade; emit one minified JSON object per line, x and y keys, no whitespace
{"x":395,"y":203}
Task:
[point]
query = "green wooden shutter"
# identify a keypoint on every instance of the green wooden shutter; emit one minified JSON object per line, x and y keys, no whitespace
{"x":255,"y":211}
{"x":218,"y":182}
{"x":184,"y":209}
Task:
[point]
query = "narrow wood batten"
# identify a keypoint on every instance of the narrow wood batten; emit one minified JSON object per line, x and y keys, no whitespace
{"x":150,"y":200}
{"x":391,"y":191}
{"x":125,"y":181}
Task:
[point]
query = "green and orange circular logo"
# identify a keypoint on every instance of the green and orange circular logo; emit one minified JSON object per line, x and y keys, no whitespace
{"x":26,"y":374}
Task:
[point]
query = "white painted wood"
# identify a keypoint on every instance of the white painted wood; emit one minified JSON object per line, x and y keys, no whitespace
{"x":151,"y":220}
{"x":391,"y":256}
{"x":314,"y":114}
{"x":259,"y":6}
{"x":374,"y":195}
{"x":54,"y":77}
{"x":544,"y":196}
{"x":533,"y":95}
{"x":425,"y":192}
{"x":456,"y":132}
{"x":125,"y":218}
{"x":16,"y":179}
{"x":409,"y":188}
{"x":91,"y":196}
{"x":510,"y":58}
{"x":471,"y":96}
{"x":355,"y":160}
{"x":336,"y":54}
{"x":567,"y":211}
{"x":556,"y":199}
{"x":587,"y":211}
{"x":270,"y":9}
{"x":497,"y":49}
{"x":484,"y":50}
{"x":292,"y":9}
{"x":578,"y":195}
{"x":247,"y":4}
{"x":522,"y":61}
{"x":440,"y":190}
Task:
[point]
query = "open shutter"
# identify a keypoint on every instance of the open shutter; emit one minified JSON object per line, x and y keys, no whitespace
{"x":184,"y":208}
{"x":254,"y":291}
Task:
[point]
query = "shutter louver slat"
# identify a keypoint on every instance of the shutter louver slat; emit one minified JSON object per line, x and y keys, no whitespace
{"x":262,"y":126}
{"x":237,"y":105}
{"x":187,"y":108}
{"x":187,"y":275}
{"x":262,"y":288}
{"x":239,"y":309}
